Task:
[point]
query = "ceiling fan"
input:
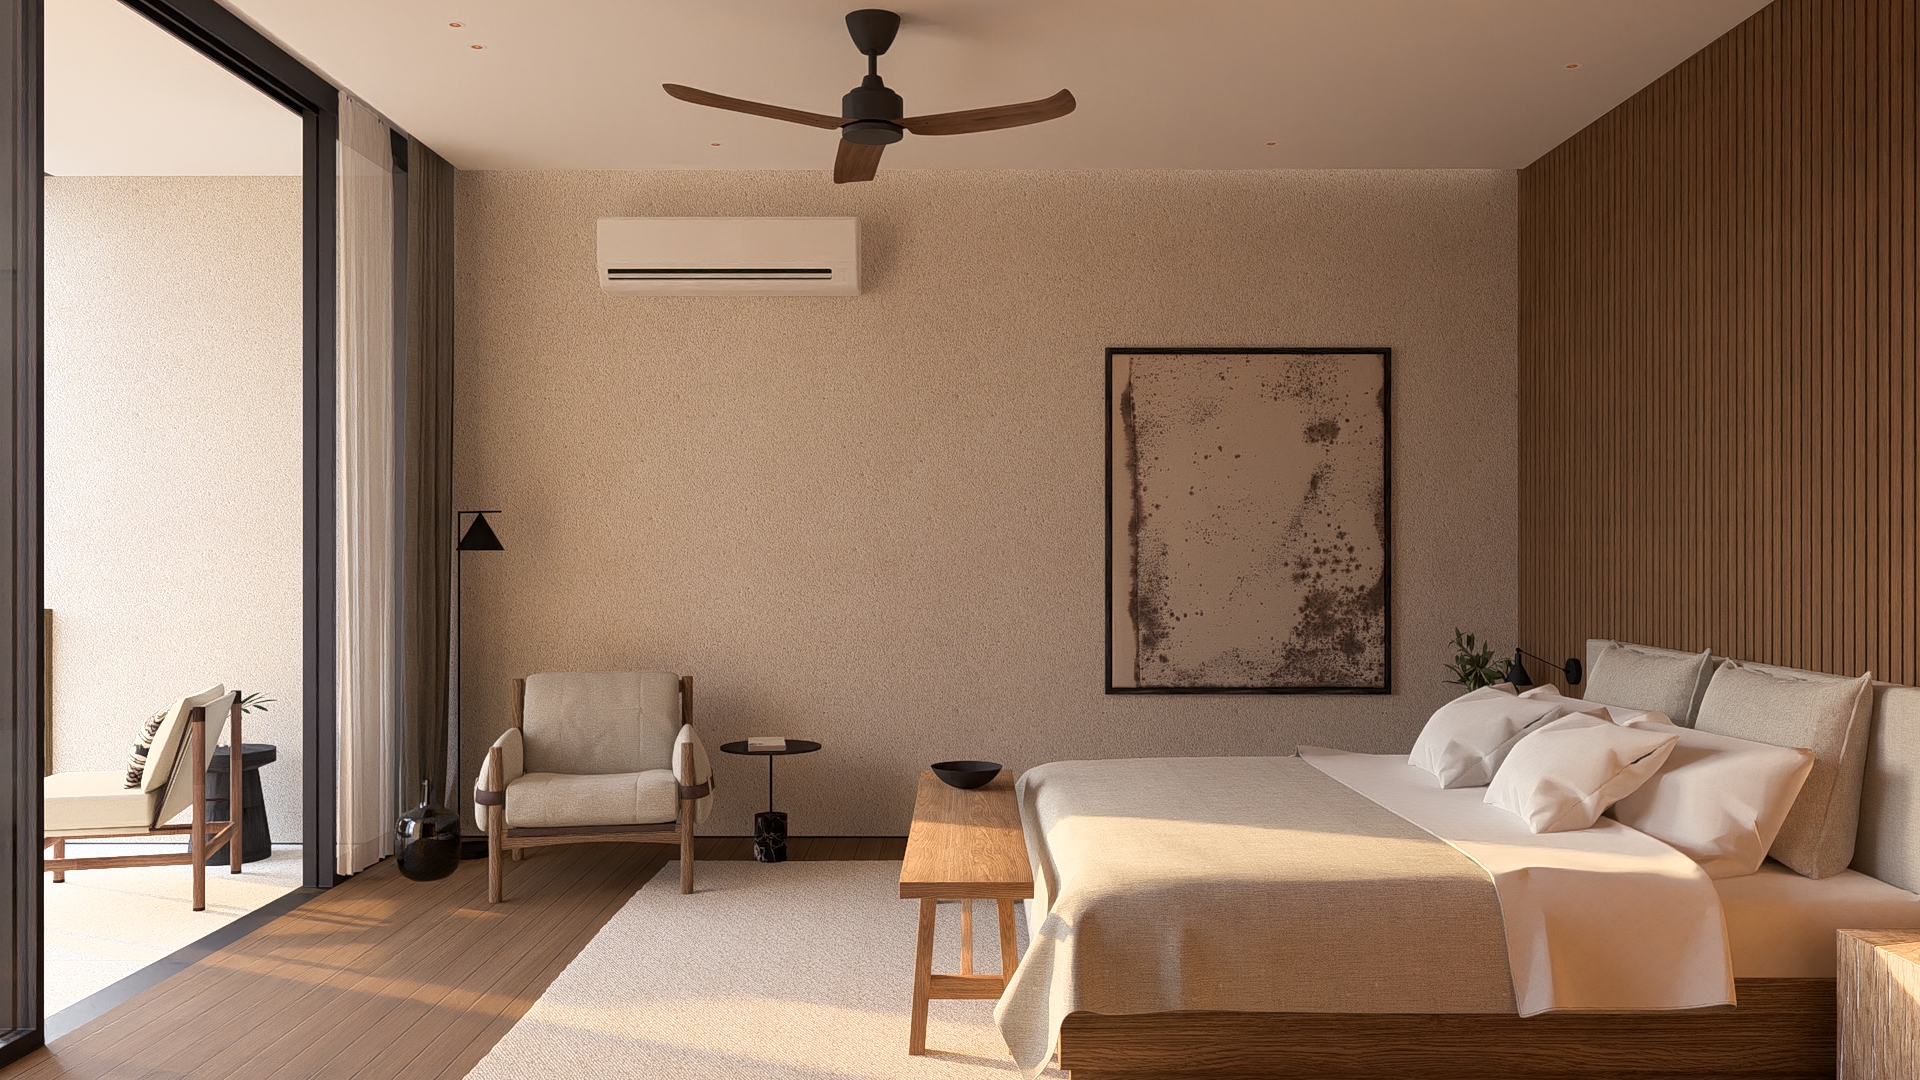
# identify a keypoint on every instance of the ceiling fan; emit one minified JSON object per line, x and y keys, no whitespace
{"x":871,"y":115}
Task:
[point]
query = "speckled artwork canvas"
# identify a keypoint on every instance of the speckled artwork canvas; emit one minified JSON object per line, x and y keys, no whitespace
{"x":1248,"y":521}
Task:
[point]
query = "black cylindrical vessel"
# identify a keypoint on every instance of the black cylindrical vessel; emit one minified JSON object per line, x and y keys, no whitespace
{"x":429,"y":841}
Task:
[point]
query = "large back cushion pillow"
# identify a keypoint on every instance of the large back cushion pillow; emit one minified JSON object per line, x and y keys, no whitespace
{"x":1656,"y":680}
{"x":1827,"y":714}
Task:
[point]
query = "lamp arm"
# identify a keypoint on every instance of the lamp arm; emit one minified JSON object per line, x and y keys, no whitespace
{"x":1571,"y":669}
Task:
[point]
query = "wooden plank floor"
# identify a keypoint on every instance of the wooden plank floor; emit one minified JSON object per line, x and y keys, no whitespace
{"x":385,"y":977}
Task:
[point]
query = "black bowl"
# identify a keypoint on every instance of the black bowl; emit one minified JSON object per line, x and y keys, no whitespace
{"x":966,"y":774}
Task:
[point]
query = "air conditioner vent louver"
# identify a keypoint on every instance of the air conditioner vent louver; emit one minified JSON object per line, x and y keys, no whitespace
{"x":719,"y":273}
{"x":730,"y":256}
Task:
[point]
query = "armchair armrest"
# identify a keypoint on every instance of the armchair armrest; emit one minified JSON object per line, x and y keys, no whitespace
{"x":683,"y":768}
{"x":693,"y":771}
{"x":505,"y":763}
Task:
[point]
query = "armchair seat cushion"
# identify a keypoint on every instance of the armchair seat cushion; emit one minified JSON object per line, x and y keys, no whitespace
{"x":95,"y":802}
{"x":549,"y":800}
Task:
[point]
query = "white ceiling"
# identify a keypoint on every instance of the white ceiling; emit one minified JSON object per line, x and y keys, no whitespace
{"x":124,"y":97}
{"x":1200,"y":84}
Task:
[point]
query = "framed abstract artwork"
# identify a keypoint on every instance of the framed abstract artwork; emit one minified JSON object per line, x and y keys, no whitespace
{"x":1248,"y":526}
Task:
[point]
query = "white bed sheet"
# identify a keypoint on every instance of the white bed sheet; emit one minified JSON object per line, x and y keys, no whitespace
{"x":1781,"y":925}
{"x":1601,"y":918}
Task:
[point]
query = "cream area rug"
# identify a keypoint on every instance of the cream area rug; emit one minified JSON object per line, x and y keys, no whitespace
{"x":799,"y":969}
{"x":103,"y":925}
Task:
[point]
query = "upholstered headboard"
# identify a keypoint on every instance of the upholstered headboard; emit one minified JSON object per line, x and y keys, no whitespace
{"x":1888,"y":844}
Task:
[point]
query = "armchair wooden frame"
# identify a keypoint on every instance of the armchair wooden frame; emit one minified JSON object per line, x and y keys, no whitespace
{"x":501,"y":839}
{"x":202,"y":835}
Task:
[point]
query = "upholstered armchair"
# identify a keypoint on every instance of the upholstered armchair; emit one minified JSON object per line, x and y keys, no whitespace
{"x":595,"y":757}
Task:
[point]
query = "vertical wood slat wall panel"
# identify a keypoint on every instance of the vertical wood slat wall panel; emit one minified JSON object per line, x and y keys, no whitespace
{"x":1718,"y":387}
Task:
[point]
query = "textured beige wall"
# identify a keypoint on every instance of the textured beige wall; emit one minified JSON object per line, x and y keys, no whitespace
{"x":173,"y":364}
{"x":878,"y":521}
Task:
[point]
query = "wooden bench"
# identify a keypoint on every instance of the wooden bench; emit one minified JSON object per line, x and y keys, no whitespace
{"x":965,"y":846}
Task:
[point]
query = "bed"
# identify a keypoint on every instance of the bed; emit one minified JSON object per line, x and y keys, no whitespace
{"x":1255,"y":920}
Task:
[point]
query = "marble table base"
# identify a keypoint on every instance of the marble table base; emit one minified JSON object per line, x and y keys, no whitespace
{"x":770,"y":836}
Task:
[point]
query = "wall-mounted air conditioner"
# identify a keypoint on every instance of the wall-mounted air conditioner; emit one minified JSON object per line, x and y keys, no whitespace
{"x":730,"y":256}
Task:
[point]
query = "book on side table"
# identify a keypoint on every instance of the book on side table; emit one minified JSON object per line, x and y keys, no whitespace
{"x":761,"y":744}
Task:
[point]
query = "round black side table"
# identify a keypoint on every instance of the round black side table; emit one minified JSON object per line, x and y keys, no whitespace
{"x":769,"y":828}
{"x":256,"y":837}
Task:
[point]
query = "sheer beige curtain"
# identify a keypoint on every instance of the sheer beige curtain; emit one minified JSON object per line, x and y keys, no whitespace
{"x":368,"y":648}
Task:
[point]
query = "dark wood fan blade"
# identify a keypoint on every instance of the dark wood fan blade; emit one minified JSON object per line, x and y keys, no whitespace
{"x":855,"y":162}
{"x":990,"y":119}
{"x":755,"y":108}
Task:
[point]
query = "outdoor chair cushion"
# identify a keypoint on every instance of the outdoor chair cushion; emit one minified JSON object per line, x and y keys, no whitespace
{"x":167,"y":738}
{"x":95,"y":802}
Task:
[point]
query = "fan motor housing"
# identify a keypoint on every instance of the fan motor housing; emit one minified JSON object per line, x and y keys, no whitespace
{"x":871,"y":100}
{"x":872,"y":132}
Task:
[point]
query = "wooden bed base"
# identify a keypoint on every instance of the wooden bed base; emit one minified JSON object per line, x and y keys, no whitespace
{"x":1782,"y":1028}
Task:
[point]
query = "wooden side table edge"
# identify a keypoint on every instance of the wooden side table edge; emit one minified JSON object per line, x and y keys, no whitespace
{"x":1878,"y":1007}
{"x":966,"y":890}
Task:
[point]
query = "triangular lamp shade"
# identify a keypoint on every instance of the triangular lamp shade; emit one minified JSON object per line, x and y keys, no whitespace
{"x":480,"y":536}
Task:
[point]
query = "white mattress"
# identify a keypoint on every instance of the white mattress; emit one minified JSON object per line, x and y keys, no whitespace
{"x":1781,"y":925}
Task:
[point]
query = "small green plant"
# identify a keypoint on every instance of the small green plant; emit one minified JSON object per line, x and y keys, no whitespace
{"x":1473,"y":664}
{"x":254,"y":703}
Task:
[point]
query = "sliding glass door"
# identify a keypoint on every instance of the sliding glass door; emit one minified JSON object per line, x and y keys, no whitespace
{"x":220,"y":35}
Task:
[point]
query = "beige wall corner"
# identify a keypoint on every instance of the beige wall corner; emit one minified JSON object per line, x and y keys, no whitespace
{"x":878,"y":521}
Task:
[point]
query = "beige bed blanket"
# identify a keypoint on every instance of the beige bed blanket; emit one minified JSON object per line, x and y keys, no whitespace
{"x":1243,"y":884}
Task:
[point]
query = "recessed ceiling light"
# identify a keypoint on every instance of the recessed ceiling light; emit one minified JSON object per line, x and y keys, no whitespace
{"x":455,"y":25}
{"x":1273,"y":144}
{"x":1570,"y":67}
{"x":476,"y":46}
{"x":713,"y":144}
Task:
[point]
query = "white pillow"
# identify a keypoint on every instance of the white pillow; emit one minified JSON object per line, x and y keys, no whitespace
{"x":1618,"y":714}
{"x":1466,"y":739}
{"x":1718,"y":799}
{"x":1565,"y":775}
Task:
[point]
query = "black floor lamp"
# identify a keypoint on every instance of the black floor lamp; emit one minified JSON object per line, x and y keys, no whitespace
{"x":431,"y":846}
{"x":478,"y":537}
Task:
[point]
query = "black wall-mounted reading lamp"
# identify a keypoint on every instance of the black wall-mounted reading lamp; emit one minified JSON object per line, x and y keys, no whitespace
{"x":1518,"y":675}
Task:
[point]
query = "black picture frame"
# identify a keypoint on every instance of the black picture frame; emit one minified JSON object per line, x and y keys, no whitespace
{"x":1385,"y":683}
